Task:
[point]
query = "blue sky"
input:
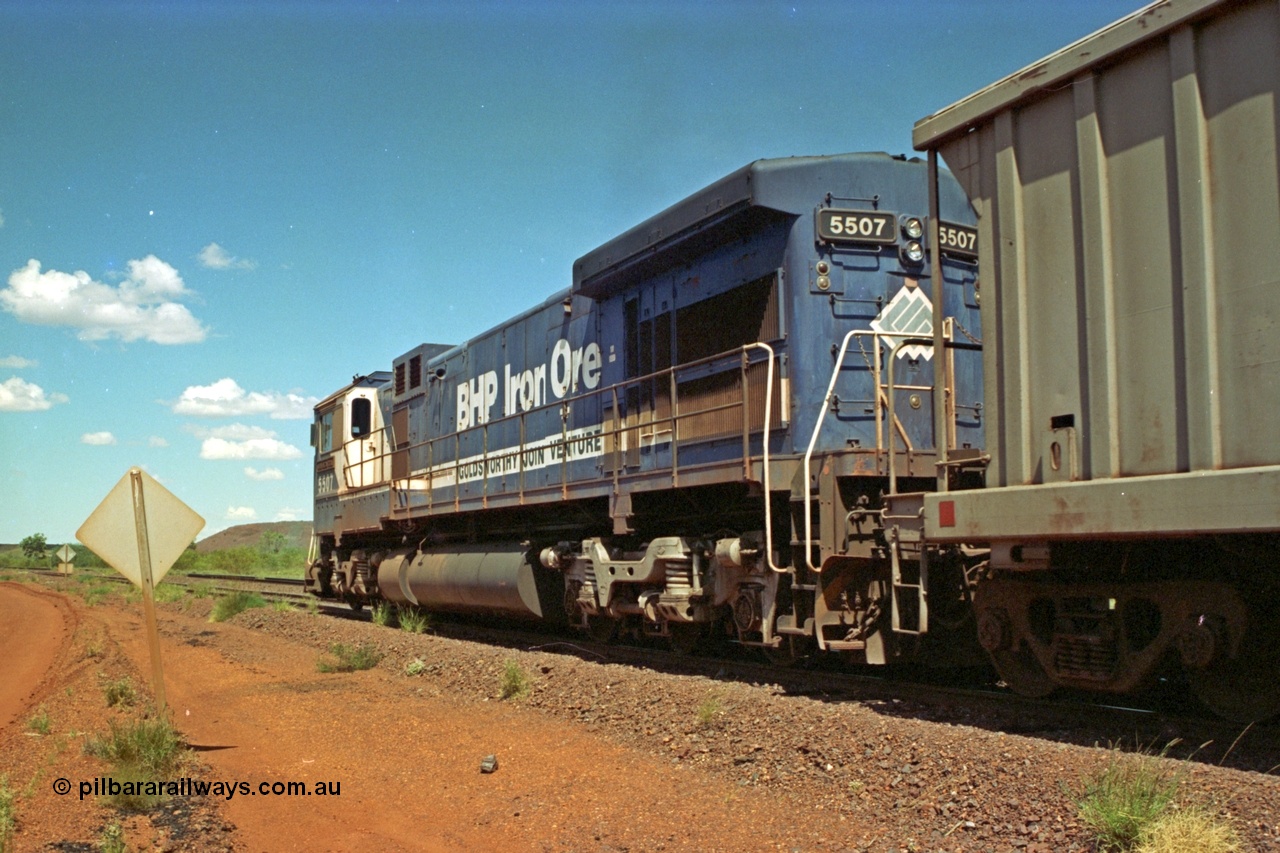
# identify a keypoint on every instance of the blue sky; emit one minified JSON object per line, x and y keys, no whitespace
{"x":214,"y":214}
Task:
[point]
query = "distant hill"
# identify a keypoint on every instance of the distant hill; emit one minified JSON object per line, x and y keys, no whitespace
{"x":297,"y":534}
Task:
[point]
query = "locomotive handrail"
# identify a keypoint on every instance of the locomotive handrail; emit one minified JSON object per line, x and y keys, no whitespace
{"x":612,"y":432}
{"x":817,"y":427}
{"x":927,"y":342}
{"x":764,"y":448}
{"x":377,"y":461}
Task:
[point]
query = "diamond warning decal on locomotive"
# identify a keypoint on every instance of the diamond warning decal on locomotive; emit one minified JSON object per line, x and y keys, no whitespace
{"x":909,"y":314}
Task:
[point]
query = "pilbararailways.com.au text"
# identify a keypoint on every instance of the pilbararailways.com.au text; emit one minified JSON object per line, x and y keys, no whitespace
{"x":105,"y":786}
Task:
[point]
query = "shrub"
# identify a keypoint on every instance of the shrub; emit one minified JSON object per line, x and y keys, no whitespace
{"x":347,"y":658}
{"x":235,"y":602}
{"x":112,"y":839}
{"x":515,"y":681}
{"x":119,"y":692}
{"x":415,"y":667}
{"x":230,"y":561}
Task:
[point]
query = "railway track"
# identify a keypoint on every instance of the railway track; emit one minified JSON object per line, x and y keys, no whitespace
{"x":915,"y":693}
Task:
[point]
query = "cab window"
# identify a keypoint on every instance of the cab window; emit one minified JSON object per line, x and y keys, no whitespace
{"x":324,"y":442}
{"x":361,"y":417}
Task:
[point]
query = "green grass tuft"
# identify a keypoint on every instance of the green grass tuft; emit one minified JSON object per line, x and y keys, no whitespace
{"x":145,"y":750}
{"x":382,"y":613}
{"x":39,"y":722}
{"x":235,"y":602}
{"x":345,"y":658}
{"x":515,"y":681}
{"x":167,"y":592}
{"x":8,"y":815}
{"x":413,"y":620}
{"x":709,"y":711}
{"x":415,"y":667}
{"x":1126,"y":798}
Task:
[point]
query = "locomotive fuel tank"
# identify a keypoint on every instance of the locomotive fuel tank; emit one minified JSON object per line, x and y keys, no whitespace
{"x":494,"y":579}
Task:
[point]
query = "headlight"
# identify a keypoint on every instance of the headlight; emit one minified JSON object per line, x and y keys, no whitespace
{"x":913,"y":252}
{"x":912,"y":228}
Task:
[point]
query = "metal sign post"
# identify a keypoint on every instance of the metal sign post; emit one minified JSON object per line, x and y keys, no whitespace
{"x":148,"y":588}
{"x":140,"y":529}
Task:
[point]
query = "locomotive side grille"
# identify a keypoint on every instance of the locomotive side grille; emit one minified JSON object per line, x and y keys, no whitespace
{"x":740,"y":316}
{"x":1085,"y":658}
{"x":415,"y":372}
{"x":399,"y":379}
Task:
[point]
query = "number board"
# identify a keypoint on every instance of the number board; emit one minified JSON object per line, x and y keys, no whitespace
{"x":856,"y":226}
{"x":958,"y":240}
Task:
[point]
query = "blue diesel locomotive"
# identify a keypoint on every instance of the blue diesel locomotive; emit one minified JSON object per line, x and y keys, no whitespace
{"x":696,"y":438}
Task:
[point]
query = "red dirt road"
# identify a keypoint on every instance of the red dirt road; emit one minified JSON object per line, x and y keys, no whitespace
{"x":255,"y":709}
{"x":35,"y":630}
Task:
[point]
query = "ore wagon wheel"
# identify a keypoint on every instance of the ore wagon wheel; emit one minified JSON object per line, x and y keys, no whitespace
{"x":684,"y":639}
{"x":1024,"y":675}
{"x":1015,"y":663}
{"x":602,"y":629}
{"x":1244,"y":688}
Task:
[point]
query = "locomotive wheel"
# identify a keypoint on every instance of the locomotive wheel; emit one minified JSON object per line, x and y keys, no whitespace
{"x":1019,"y":669}
{"x":1246,"y":688}
{"x":786,"y":653}
{"x":355,"y":604}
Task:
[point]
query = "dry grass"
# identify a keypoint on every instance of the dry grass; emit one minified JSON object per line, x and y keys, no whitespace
{"x":1180,"y":830}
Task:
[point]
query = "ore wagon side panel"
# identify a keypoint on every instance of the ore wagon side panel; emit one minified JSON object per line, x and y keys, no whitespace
{"x":1129,"y":200}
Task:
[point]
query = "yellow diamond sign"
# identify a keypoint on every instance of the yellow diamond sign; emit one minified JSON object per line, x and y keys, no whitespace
{"x":138,"y":520}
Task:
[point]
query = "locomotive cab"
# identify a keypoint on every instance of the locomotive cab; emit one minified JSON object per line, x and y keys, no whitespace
{"x":350,"y":437}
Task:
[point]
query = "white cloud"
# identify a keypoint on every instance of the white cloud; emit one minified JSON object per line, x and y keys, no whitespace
{"x":239,"y":441}
{"x":157,"y":441}
{"x":288,"y":514}
{"x":98,"y":439}
{"x":18,"y":395}
{"x":226,"y":399}
{"x":16,"y":362}
{"x":241,"y":513}
{"x":215,"y":257}
{"x":264,"y":474}
{"x":142,"y":307}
